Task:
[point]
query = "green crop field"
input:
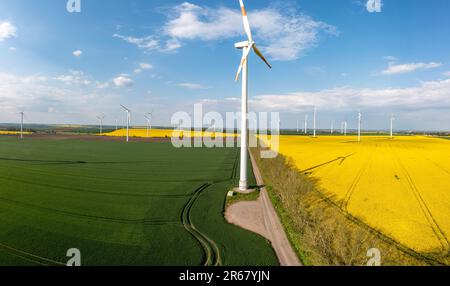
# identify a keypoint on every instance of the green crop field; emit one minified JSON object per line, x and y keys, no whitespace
{"x":120,"y":204}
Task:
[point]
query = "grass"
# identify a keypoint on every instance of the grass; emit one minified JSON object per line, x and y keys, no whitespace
{"x":120,"y":204}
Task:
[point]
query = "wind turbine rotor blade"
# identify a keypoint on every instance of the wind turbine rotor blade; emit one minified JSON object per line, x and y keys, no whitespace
{"x":258,"y":52}
{"x":244,"y":59}
{"x":246,"y":22}
{"x":128,"y":110}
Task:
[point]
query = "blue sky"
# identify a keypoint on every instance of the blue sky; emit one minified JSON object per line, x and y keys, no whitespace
{"x":62,"y":67}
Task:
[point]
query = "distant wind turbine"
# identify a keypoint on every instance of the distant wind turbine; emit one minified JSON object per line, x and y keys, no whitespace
{"x":22,"y":114}
{"x":306,"y":123}
{"x":100,"y":118}
{"x":315,"y":118}
{"x":345,"y":128}
{"x":128,"y":111}
{"x":392,"y":125}
{"x":359,"y":125}
{"x":332,"y":127}
{"x":149,"y":116}
{"x":246,"y":47}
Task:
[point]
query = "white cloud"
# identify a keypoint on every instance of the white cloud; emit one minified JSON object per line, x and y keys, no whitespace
{"x":145,"y":66}
{"x":283,"y":34}
{"x":76,"y":78}
{"x":144,"y":42}
{"x":77,"y":53}
{"x":431,"y":94}
{"x":47,"y":101}
{"x":447,"y":74}
{"x":123,"y":81}
{"x":407,"y":68}
{"x":190,"y":85}
{"x":7,"y":30}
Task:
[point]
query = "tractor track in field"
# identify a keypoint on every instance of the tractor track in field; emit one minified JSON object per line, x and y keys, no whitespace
{"x":134,"y":180}
{"x":27,"y":256}
{"x":437,"y":230}
{"x":403,"y":248}
{"x":210,"y":248}
{"x":92,"y":217}
{"x":351,"y":190}
{"x":80,"y":190}
{"x":235,"y":167}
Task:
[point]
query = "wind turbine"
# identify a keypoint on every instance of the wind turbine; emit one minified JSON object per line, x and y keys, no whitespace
{"x":392,"y":125}
{"x":345,"y":128}
{"x":148,"y":116}
{"x":22,"y":114}
{"x":246,"y":47}
{"x":315,"y":118}
{"x":306,"y":123}
{"x":297,"y":126}
{"x":100,"y":118}
{"x":128,"y":111}
{"x":332,"y":127}
{"x":359,"y":125}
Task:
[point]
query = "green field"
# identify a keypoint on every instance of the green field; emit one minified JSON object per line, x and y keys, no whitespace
{"x":120,"y":204}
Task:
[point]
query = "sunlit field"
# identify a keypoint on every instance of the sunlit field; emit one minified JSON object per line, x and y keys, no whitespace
{"x":166,"y":133}
{"x":14,"y":133}
{"x":398,"y":186}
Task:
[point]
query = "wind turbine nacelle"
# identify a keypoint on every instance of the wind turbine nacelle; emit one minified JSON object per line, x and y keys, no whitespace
{"x":242,"y":45}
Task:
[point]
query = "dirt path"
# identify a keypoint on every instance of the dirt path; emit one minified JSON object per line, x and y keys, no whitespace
{"x":260,"y":217}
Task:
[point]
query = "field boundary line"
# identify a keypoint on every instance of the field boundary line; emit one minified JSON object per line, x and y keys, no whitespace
{"x":30,"y":257}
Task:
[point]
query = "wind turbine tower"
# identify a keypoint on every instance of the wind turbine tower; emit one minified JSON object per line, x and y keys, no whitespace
{"x":100,"y":118}
{"x":315,"y":118}
{"x":128,"y":111}
{"x":306,"y":123}
{"x":22,"y":114}
{"x":359,"y":125}
{"x":246,"y":47}
{"x":392,"y":126}
{"x":148,"y":116}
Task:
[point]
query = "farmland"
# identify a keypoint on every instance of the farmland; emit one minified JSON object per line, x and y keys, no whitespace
{"x":166,"y":133}
{"x":396,"y":186}
{"x":120,"y":204}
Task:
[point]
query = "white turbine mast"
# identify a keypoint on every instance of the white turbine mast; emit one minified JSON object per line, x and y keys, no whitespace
{"x":100,"y":118}
{"x":315,"y":119}
{"x":345,"y":128}
{"x":359,"y":125}
{"x":246,"y":47}
{"x":392,"y":125}
{"x":332,"y":127}
{"x":306,"y":124}
{"x":22,"y":114}
{"x":128,"y":111}
{"x":149,"y":117}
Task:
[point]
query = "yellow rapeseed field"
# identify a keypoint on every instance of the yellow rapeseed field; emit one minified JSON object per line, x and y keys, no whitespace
{"x":166,"y":133}
{"x":399,"y":186}
{"x":14,"y":133}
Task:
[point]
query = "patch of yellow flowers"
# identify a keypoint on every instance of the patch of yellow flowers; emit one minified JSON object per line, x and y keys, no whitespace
{"x":399,"y":186}
{"x":14,"y":133}
{"x":167,"y":133}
